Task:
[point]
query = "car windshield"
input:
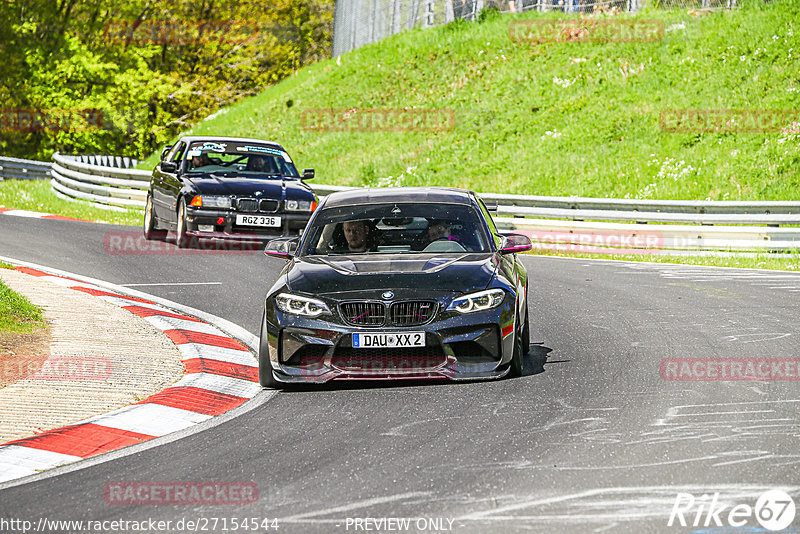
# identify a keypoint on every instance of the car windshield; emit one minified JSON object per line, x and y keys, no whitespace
{"x":396,"y":229}
{"x":239,"y":158}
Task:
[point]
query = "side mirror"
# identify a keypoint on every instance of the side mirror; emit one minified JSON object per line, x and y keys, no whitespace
{"x":282,"y":247}
{"x":514,"y":243}
{"x":165,"y":151}
{"x":308,"y":174}
{"x":169,"y":166}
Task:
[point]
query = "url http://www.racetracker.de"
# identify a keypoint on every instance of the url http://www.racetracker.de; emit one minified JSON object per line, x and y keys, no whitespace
{"x":184,"y":524}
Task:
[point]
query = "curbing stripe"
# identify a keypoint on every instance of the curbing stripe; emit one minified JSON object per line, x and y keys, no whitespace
{"x":220,"y":376}
{"x":220,"y":384}
{"x":102,"y":293}
{"x":171,"y":323}
{"x":216,"y":367}
{"x":197,"y":400}
{"x":151,"y":419}
{"x":142,"y":311}
{"x":38,"y":215}
{"x":179,"y":337}
{"x":17,"y":461}
{"x":191,"y":351}
{"x":83,"y":440}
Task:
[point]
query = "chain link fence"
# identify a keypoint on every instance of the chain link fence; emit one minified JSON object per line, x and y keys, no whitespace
{"x":360,"y":22}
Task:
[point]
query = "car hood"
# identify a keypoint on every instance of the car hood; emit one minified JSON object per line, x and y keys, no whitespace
{"x":330,"y":275}
{"x":239,"y":185}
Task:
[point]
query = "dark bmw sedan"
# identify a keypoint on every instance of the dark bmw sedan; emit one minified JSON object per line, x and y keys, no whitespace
{"x":227,"y":188}
{"x":396,"y":283}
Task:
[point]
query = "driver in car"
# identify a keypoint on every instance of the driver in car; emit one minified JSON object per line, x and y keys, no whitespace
{"x":437,"y":229}
{"x":200,"y":160}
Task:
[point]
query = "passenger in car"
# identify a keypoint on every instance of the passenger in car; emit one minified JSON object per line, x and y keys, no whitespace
{"x":437,"y":229}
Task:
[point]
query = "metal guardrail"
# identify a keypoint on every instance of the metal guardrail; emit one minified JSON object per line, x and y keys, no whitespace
{"x":106,"y":180}
{"x":24,"y":169}
{"x":558,"y":223}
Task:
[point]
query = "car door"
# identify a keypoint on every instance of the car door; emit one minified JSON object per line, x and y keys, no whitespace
{"x":167,"y":185}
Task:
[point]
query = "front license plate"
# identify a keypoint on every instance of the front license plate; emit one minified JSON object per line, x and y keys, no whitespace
{"x":258,"y":220}
{"x":389,"y":340}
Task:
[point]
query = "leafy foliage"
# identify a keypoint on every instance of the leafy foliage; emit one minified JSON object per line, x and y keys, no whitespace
{"x":124,"y":77}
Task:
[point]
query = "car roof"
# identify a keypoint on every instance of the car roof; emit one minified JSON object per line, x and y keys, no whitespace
{"x":380,"y":195}
{"x":196,"y":138}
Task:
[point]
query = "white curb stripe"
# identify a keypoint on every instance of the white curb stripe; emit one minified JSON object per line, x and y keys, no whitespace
{"x":221,"y":384}
{"x":122,"y":302}
{"x":171,"y":323}
{"x":150,"y":419}
{"x":25,"y":213}
{"x":17,"y":461}
{"x":190,"y":351}
{"x":63,"y":282}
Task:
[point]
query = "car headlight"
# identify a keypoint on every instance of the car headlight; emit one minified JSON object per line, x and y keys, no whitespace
{"x":300,"y":205}
{"x":297,"y":305}
{"x":210,"y":201}
{"x":482,"y":300}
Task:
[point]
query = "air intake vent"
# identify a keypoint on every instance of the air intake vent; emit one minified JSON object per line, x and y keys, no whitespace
{"x":363,"y":313}
{"x":247,"y":204}
{"x":412,"y":312}
{"x":269,"y":205}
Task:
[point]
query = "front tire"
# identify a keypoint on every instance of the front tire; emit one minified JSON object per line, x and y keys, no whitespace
{"x":180,"y":234}
{"x":265,"y":375}
{"x":526,"y":334}
{"x":515,"y":367}
{"x":151,"y":232}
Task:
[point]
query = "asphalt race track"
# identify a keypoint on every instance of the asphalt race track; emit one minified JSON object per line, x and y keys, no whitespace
{"x":590,"y":439}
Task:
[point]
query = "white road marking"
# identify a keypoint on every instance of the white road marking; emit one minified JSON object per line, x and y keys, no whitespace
{"x":357,"y":504}
{"x":175,"y":284}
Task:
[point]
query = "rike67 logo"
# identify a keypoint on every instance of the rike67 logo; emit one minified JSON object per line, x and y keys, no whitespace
{"x":774,"y":510}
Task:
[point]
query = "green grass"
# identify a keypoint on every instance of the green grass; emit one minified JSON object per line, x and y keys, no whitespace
{"x":36,"y":195}
{"x":17,"y":314}
{"x":605,"y":139}
{"x":759,"y":261}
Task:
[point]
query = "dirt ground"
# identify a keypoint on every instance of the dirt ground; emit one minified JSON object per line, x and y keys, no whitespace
{"x":22,"y":354}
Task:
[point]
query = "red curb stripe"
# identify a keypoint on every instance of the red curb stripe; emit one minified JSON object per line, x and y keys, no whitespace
{"x":196,"y":400}
{"x":3,"y":210}
{"x":62,"y":218}
{"x":82,"y":440}
{"x":101,"y":293}
{"x":180,"y":337}
{"x":32,"y":272}
{"x":141,"y":311}
{"x":217,"y":367}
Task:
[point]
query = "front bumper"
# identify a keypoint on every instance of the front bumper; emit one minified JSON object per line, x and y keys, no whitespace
{"x":224,"y":225}
{"x":469,"y":347}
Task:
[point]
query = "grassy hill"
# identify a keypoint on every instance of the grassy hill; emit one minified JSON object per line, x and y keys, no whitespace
{"x":559,"y":118}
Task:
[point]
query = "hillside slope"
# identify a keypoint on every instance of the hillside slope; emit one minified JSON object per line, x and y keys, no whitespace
{"x":559,"y":118}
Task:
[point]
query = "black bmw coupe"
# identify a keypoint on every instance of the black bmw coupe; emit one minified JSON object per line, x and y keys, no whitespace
{"x":396,"y":283}
{"x":227,"y":188}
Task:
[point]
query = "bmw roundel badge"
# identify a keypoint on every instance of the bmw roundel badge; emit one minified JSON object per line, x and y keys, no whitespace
{"x":387,"y":295}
